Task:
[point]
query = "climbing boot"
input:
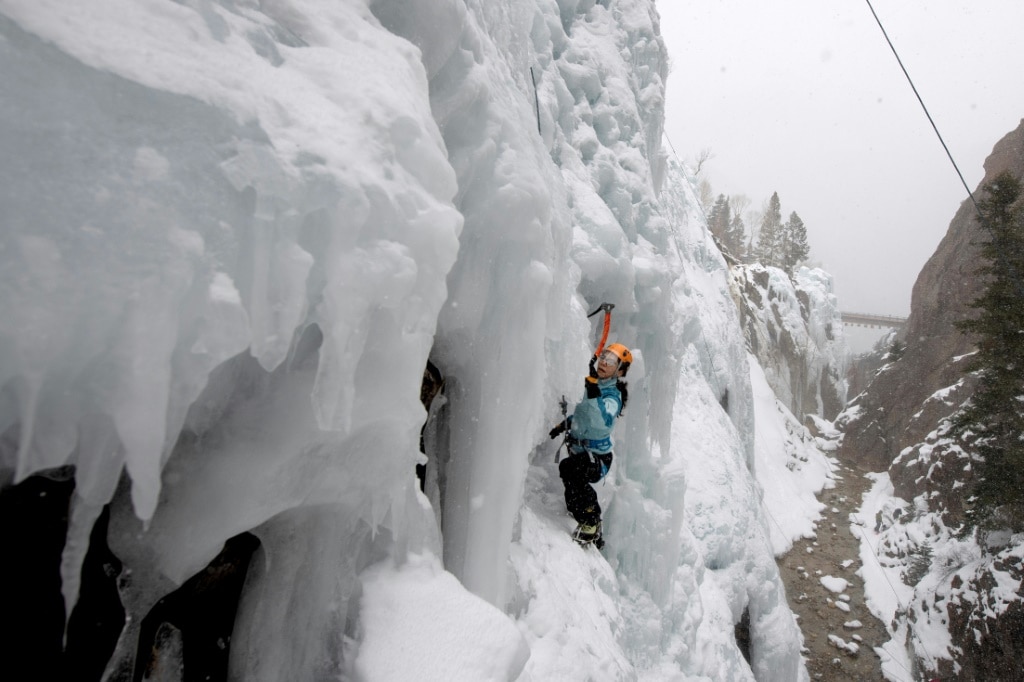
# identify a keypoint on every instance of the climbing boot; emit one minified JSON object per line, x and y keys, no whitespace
{"x":586,"y":534}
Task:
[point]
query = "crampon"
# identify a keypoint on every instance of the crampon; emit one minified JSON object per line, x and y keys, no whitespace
{"x":586,"y":535}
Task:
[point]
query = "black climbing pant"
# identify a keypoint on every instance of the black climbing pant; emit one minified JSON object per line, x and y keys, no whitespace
{"x":578,"y":471}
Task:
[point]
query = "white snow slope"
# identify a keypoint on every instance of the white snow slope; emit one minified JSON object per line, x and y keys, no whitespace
{"x":236,"y":232}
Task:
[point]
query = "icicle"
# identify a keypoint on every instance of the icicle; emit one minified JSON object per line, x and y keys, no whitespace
{"x":99,"y":462}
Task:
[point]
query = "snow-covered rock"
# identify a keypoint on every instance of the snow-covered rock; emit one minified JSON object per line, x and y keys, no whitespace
{"x":794,"y":327}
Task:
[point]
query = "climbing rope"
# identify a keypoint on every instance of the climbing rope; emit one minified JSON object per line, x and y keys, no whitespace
{"x":536,"y":100}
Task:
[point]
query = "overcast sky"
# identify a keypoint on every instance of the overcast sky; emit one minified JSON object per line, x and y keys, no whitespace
{"x":804,"y":97}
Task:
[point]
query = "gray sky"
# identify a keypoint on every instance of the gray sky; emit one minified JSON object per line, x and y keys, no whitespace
{"x":804,"y":97}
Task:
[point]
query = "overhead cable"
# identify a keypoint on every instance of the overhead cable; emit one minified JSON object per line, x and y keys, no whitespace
{"x":926,"y":113}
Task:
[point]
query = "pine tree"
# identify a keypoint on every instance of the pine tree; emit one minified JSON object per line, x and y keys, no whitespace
{"x":794,"y":246}
{"x":719,"y":219}
{"x":994,"y":418}
{"x":767,"y":251}
{"x":736,"y":237}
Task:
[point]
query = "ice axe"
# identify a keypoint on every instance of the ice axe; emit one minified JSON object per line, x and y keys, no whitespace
{"x":565,"y":441}
{"x":607,"y":308}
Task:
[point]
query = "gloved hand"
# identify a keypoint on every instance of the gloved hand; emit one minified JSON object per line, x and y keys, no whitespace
{"x":593,"y":368}
{"x":559,"y":429}
{"x":591,"y":387}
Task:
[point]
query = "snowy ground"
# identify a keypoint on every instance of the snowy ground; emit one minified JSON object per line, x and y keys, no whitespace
{"x":886,"y":592}
{"x":791,"y":467}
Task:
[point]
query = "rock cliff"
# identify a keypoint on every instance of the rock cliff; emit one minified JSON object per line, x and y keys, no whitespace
{"x":896,"y":410}
{"x":961,"y":612}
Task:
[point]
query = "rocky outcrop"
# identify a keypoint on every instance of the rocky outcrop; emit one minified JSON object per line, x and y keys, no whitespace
{"x":863,"y":367}
{"x":794,"y":328}
{"x":991,"y":630}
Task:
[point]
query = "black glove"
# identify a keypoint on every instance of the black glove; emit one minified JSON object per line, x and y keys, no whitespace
{"x":593,"y":367}
{"x":592,"y":389}
{"x":558,"y":430}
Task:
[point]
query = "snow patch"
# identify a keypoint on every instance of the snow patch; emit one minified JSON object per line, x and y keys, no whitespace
{"x":418,"y":623}
{"x":833,"y":584}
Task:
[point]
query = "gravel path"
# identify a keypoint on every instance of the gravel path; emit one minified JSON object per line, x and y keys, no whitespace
{"x":827,"y":595}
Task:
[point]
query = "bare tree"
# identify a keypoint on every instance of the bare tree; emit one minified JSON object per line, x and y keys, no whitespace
{"x":753,"y":219}
{"x":705,"y":195}
{"x":739,"y":203}
{"x":703,"y":156}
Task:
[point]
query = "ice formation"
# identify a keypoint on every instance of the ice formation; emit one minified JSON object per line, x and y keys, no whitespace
{"x":236,"y":234}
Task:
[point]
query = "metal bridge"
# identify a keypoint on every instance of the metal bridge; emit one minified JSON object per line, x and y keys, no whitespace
{"x":869,"y":320}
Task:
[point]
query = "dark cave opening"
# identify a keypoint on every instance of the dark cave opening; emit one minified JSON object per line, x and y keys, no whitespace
{"x":33,"y":526}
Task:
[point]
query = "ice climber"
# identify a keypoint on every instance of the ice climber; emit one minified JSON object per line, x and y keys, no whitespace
{"x":589,"y":439}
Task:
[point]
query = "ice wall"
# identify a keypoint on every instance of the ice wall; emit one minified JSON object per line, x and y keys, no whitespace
{"x":510,"y":287}
{"x":687,"y":560}
{"x":224,"y":254}
{"x":239,"y":232}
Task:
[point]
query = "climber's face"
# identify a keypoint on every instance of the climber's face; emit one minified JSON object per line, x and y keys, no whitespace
{"x":607,"y":365}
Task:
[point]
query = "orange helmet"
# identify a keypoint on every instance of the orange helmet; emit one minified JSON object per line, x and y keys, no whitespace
{"x":622,"y":353}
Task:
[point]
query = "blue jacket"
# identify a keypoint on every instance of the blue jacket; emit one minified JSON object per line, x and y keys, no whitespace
{"x":594,"y":418}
